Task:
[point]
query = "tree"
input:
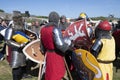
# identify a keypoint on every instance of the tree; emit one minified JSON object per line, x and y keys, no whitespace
{"x":99,"y":18}
{"x":2,"y":10}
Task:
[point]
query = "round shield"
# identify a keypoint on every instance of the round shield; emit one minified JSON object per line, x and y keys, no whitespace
{"x":32,"y":51}
{"x":31,"y":34}
{"x":90,"y":62}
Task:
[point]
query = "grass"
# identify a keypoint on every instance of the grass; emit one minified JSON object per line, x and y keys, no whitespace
{"x":116,"y":69}
{"x":5,"y":71}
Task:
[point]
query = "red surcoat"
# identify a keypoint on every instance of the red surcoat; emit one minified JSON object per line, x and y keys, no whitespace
{"x":55,"y":66}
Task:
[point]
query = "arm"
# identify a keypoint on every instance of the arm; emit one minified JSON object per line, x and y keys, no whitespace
{"x":96,"y":47}
{"x":8,"y":38}
{"x":61,"y":44}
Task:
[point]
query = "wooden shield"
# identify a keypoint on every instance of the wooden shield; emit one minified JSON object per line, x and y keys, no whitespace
{"x":91,"y":63}
{"x":32,"y":51}
{"x":31,"y":33}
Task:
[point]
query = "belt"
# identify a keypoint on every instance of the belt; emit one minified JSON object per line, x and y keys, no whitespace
{"x":52,"y":50}
{"x":104,"y":61}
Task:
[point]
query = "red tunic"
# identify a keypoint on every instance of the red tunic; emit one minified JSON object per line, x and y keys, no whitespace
{"x":55,"y":67}
{"x":116,"y":35}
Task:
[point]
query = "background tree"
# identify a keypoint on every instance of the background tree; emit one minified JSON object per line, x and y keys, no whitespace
{"x":2,"y":10}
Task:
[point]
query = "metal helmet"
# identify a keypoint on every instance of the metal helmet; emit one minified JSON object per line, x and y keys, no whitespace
{"x":62,"y":17}
{"x":54,"y":17}
{"x":83,"y":15}
{"x":17,"y":14}
{"x":104,"y":25}
{"x":17,"y":17}
{"x":18,"y":21}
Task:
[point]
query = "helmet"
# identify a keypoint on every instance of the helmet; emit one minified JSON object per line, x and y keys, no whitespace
{"x":62,"y":17}
{"x":17,"y":14}
{"x":18,"y":23}
{"x":104,"y":25}
{"x":54,"y":17}
{"x":83,"y":15}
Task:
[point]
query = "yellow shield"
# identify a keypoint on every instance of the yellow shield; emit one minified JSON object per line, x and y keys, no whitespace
{"x":90,"y":62}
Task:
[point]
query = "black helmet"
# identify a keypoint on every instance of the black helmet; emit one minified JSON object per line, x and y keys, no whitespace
{"x":54,"y":17}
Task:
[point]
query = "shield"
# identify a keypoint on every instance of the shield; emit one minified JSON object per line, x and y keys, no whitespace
{"x":2,"y":31}
{"x":31,"y":34}
{"x":91,"y":65}
{"x":32,"y":51}
{"x":77,"y":32}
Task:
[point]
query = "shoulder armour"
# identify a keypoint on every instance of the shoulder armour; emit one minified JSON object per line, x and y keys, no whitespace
{"x":96,"y":47}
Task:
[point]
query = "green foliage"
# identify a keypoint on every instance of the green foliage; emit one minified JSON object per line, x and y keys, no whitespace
{"x":42,"y":17}
{"x":30,"y":20}
{"x":99,"y":18}
{"x":23,"y":15}
{"x":6,"y":72}
{"x":104,"y":18}
{"x":2,"y":10}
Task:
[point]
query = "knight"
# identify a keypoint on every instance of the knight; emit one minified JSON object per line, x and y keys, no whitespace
{"x":85,"y":43}
{"x":54,"y":46}
{"x":16,"y":39}
{"x":2,"y":43}
{"x":103,"y":48}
